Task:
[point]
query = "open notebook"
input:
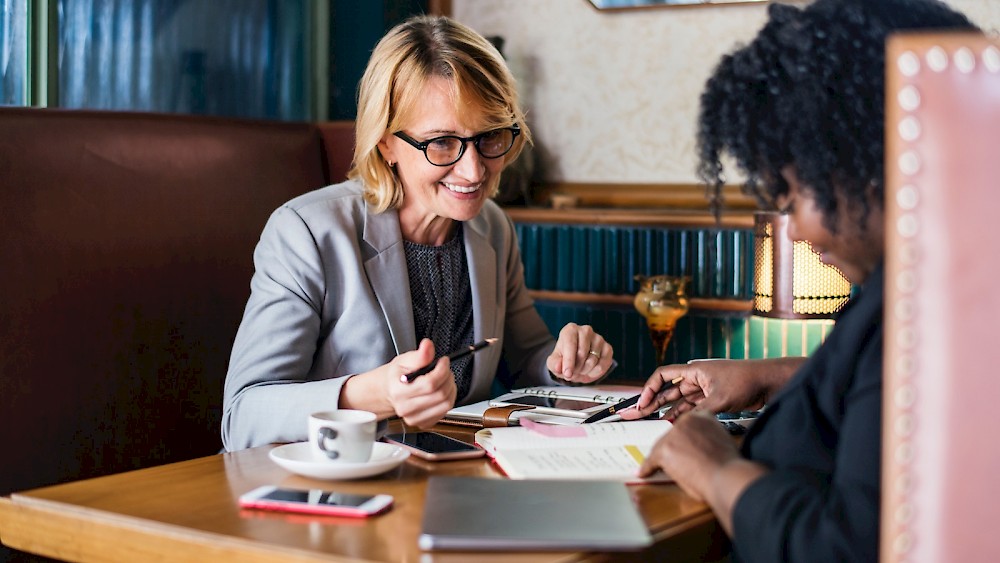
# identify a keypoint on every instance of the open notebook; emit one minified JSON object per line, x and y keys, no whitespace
{"x":612,"y":451}
{"x":468,"y":513}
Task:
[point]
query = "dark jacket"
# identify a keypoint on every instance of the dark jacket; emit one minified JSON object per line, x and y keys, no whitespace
{"x":821,"y":437}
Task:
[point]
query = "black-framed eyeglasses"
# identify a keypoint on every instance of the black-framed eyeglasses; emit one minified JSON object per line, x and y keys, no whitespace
{"x":448,"y":149}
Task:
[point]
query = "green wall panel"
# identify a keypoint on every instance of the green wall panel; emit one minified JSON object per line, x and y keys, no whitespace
{"x":696,"y":336}
{"x":605,"y":259}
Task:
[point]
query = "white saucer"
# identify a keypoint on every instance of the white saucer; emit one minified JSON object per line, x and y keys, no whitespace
{"x":298,"y":459}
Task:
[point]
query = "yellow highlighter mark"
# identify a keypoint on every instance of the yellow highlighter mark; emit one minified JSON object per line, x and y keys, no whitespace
{"x":636,"y":454}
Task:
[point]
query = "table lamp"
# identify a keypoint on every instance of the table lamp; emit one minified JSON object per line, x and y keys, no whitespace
{"x":790,"y":281}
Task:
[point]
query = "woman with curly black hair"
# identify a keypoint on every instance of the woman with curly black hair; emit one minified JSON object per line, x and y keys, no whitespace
{"x":801,"y":111}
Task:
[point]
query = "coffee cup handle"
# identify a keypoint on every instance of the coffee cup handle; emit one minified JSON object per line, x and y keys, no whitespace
{"x":327,"y":433}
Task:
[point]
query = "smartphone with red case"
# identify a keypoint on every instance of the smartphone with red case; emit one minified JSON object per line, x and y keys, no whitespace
{"x":315,"y":501}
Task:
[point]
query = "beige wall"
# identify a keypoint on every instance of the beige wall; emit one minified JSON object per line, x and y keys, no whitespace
{"x":613,"y":96}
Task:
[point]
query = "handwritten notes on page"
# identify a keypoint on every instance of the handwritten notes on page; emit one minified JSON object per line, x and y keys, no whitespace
{"x":612,"y":451}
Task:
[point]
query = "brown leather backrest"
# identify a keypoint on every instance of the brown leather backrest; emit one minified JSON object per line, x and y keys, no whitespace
{"x":126,"y":245}
{"x":942,"y":385}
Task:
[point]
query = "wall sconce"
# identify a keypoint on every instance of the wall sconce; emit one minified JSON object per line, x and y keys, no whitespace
{"x":790,"y":281}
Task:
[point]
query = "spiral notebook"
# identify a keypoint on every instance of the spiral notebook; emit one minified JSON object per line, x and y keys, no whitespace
{"x":569,"y":405}
{"x":468,"y":513}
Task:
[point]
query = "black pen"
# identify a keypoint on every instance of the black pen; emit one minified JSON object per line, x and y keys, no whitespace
{"x":605,"y":413}
{"x":461,"y":353}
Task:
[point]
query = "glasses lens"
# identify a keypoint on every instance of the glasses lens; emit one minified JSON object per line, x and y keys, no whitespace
{"x":493,"y":144}
{"x":443,"y":150}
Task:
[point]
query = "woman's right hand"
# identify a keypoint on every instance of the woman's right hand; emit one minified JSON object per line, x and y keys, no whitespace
{"x":420,"y":403}
{"x":714,"y":386}
{"x":425,"y":400}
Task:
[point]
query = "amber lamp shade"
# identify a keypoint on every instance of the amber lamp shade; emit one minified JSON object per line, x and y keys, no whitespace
{"x":790,"y":281}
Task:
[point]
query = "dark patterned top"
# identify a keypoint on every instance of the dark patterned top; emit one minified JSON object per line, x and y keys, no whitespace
{"x":442,"y":300}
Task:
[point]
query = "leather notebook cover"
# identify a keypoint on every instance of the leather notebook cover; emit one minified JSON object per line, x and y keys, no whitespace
{"x":467,"y":513}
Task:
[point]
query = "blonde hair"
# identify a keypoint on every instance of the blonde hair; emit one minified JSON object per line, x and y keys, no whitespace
{"x":410,"y":54}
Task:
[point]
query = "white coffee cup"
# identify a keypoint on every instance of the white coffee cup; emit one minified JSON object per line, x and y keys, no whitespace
{"x":342,"y":436}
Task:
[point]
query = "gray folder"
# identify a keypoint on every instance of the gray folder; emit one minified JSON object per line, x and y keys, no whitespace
{"x":467,"y":513}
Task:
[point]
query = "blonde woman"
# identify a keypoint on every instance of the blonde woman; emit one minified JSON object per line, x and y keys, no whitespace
{"x":361,"y":282}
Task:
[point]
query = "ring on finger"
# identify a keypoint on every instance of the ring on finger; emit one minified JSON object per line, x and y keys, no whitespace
{"x":595,"y":354}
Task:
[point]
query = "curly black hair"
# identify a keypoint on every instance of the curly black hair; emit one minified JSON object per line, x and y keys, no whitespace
{"x":808,"y":91}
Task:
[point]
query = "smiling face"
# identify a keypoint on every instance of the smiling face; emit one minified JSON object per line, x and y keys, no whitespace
{"x":855,"y":251}
{"x":434,"y":197}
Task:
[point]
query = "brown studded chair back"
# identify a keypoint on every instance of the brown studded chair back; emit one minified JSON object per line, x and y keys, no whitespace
{"x":941,"y":453}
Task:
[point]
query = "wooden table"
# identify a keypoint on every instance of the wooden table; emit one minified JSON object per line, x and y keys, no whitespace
{"x":188,"y":511}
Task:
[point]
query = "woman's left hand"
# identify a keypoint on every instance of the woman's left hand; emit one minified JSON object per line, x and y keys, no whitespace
{"x":702,"y":458}
{"x":691,"y":452}
{"x":581,"y":355}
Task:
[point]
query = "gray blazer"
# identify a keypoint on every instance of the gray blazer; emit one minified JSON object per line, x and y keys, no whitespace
{"x":330,"y":298}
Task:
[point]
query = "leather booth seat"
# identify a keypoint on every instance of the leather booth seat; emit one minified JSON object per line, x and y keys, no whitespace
{"x":126,"y":245}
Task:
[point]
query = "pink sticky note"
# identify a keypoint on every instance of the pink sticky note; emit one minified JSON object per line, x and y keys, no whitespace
{"x":553,"y":430}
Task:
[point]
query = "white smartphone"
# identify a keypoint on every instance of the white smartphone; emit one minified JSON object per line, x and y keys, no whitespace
{"x":315,"y":501}
{"x":434,"y":446}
